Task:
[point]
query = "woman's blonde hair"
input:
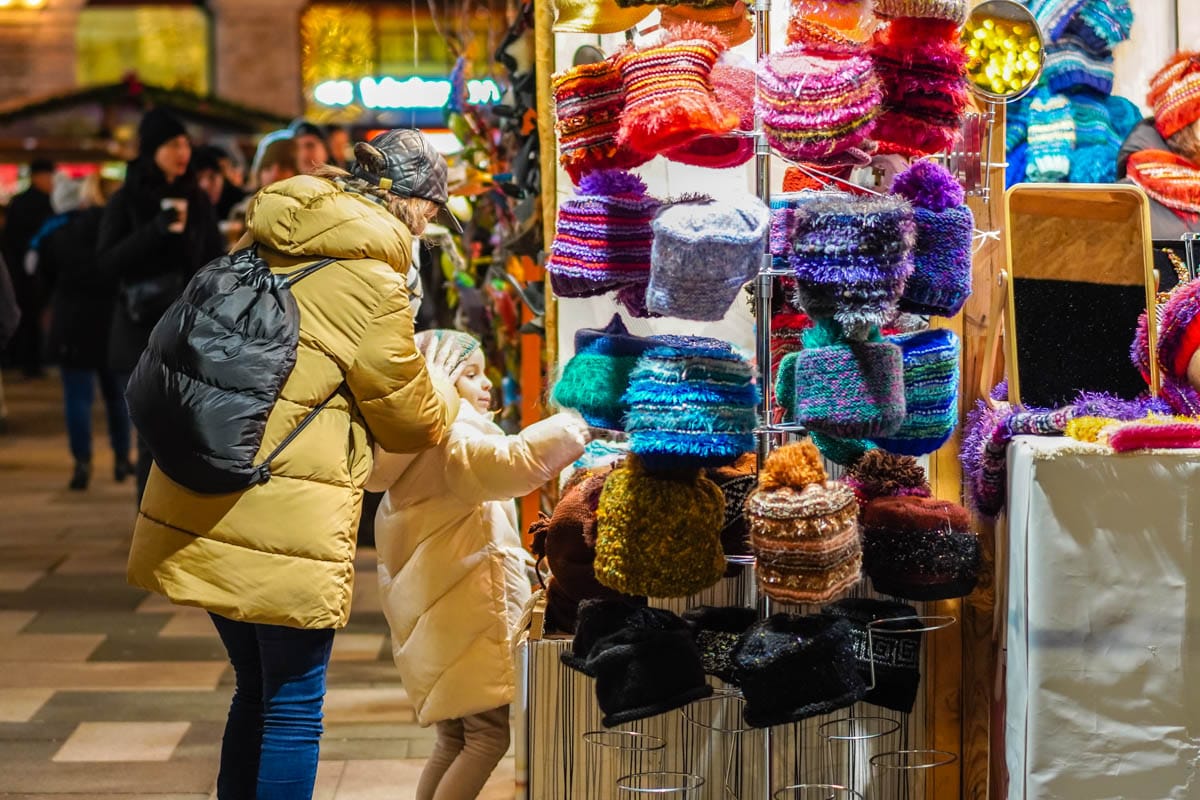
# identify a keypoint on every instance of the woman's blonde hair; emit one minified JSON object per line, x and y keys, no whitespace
{"x":414,"y":212}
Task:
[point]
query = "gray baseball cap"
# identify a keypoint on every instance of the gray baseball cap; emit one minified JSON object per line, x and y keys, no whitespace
{"x":412,"y":168}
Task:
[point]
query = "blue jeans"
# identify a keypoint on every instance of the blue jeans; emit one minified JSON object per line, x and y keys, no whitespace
{"x":79,"y":394}
{"x":273,"y":734}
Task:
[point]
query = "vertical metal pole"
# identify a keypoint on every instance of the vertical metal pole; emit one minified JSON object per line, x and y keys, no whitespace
{"x":762,"y":313}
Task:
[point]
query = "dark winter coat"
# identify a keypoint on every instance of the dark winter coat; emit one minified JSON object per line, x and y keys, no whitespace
{"x":81,"y":296}
{"x":1164,"y":223}
{"x":10,"y":312}
{"x":134,"y":245}
{"x":27,"y":212}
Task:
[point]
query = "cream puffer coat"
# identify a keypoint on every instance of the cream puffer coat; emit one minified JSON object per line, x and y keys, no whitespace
{"x":452,"y":569}
{"x":282,"y":553}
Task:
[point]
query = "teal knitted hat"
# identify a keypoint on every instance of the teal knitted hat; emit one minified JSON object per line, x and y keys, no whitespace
{"x":930,"y":392}
{"x":596,"y":377}
{"x":845,"y":452}
{"x":1051,"y":138}
{"x":849,"y":389}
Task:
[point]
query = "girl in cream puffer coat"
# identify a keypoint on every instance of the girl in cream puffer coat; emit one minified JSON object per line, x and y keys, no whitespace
{"x":452,"y":569}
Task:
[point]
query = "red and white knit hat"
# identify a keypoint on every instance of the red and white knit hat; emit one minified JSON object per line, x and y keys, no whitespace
{"x":1175,"y":93}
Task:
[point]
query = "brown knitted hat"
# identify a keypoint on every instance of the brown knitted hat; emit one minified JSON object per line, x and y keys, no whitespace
{"x":803,"y":529}
{"x":920,"y":548}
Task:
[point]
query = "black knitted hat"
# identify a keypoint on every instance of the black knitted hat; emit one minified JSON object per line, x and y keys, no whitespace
{"x":157,"y":127}
{"x":598,"y":619}
{"x":716,"y":631}
{"x":919,"y":548}
{"x":791,"y":668}
{"x":642,"y":672}
{"x":897,"y":656}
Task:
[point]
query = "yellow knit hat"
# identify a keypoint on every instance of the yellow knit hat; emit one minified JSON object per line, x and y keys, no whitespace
{"x":596,"y":16}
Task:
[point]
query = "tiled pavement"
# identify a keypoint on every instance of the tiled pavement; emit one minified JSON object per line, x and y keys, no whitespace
{"x":108,"y":692}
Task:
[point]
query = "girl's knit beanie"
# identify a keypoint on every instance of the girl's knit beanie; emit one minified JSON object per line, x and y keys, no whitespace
{"x":668,"y":95}
{"x":588,"y":102}
{"x":941,"y":279}
{"x":704,"y":252}
{"x":691,"y":404}
{"x":604,"y":237}
{"x":659,"y":536}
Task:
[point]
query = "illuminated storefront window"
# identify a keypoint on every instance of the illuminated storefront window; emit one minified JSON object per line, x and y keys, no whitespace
{"x":367,"y":58}
{"x":165,"y":45}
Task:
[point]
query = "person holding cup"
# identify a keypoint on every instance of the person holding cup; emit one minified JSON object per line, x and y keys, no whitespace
{"x":156,"y":232}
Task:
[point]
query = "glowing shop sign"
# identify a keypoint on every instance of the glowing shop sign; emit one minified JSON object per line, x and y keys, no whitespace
{"x":388,"y":92}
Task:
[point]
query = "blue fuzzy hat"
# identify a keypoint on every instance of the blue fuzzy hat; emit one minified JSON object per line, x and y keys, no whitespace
{"x":691,"y":404}
{"x":704,"y":252}
{"x":1102,"y":23}
{"x":930,"y":392}
{"x":1071,"y":64}
{"x":1053,"y":15}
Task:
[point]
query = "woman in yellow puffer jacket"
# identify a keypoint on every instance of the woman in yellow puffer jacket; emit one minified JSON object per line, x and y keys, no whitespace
{"x":274,"y":564}
{"x":452,"y":570}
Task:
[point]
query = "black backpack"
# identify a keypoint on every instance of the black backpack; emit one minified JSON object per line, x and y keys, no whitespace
{"x":216,"y":362}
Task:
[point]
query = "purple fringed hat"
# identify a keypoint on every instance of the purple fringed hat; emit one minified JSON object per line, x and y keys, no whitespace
{"x":1178,"y":340}
{"x":604,"y":239}
{"x":817,"y":106}
{"x":851,"y":256}
{"x":941,"y":279}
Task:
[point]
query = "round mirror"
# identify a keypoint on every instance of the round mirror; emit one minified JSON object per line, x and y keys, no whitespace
{"x":1004,"y":49}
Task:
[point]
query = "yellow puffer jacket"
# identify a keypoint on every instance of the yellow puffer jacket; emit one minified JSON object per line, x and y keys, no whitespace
{"x":282,"y":553}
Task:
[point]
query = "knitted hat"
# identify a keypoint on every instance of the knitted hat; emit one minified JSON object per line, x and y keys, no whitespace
{"x":704,"y":253}
{"x":941,"y":279}
{"x":922,"y":67}
{"x":643,"y":673}
{"x":598,"y":619}
{"x":840,"y":451}
{"x":787,"y":331}
{"x":815,"y":107}
{"x":954,"y":11}
{"x":157,"y":127}
{"x":716,"y":631}
{"x":813,"y":22}
{"x":783,"y":221}
{"x":588,"y":101}
{"x":659,"y":536}
{"x":930,"y":392}
{"x":1175,"y":93}
{"x":735,"y":481}
{"x":881,"y":474}
{"x":893,"y":658}
{"x":732,"y":21}
{"x":1093,"y":121}
{"x":851,"y":257}
{"x":849,"y":389}
{"x":691,"y":404}
{"x":457,"y":345}
{"x":1051,"y":138}
{"x":1178,"y":340}
{"x":1167,"y":178}
{"x":734,"y":90}
{"x":597,"y":376}
{"x":1053,"y":15}
{"x":596,"y":16}
{"x":803,"y":529}
{"x":668,"y":98}
{"x":569,"y":545}
{"x":1102,"y":23}
{"x":919,"y":548}
{"x":791,"y":668}
{"x":603,"y":239}
{"x":1072,"y":64}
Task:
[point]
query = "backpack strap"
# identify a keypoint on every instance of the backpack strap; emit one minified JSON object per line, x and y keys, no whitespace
{"x":295,"y":277}
{"x":264,"y":469}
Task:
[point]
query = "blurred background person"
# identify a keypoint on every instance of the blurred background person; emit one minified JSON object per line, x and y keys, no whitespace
{"x":81,"y":307}
{"x":341,"y":151}
{"x":210,"y":175}
{"x":311,"y":148}
{"x":27,"y":212}
{"x":157,"y":230}
{"x":275,"y":160}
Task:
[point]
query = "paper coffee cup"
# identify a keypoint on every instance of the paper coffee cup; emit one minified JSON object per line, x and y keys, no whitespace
{"x":179,"y":204}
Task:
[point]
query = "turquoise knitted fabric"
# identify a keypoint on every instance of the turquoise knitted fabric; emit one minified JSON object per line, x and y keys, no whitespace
{"x":1051,"y":138}
{"x":930,"y":392}
{"x":845,"y":452}
{"x":848,"y":389}
{"x":691,"y":404}
{"x":593,"y":384}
